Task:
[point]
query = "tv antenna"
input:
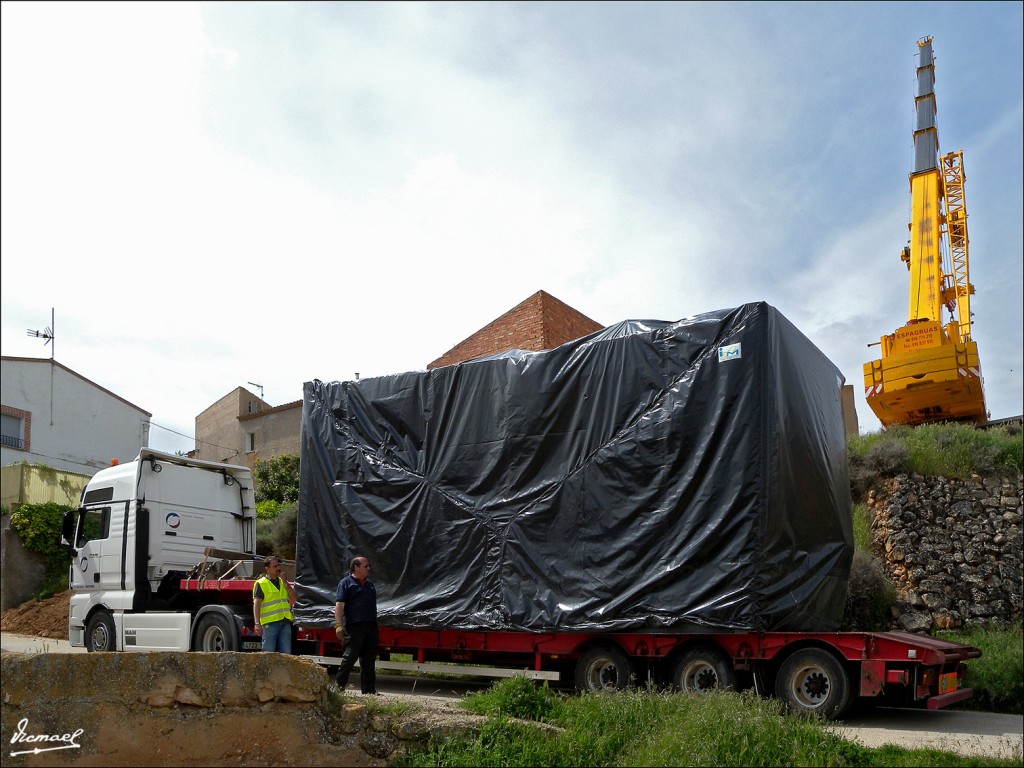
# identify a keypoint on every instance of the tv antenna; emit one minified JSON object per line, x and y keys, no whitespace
{"x":257,"y":385}
{"x":46,"y":334}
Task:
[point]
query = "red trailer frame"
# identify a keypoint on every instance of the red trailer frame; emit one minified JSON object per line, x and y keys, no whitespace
{"x":821,"y":672}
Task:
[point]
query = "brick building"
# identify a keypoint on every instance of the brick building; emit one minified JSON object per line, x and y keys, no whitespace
{"x":539,"y":322}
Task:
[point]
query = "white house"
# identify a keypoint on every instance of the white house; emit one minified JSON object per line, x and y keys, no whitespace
{"x":54,"y":416}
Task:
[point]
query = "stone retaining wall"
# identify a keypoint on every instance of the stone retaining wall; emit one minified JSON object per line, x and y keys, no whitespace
{"x":192,"y":709}
{"x":952,"y":549}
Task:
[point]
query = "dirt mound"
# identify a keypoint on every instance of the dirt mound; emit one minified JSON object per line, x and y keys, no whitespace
{"x":41,"y":618}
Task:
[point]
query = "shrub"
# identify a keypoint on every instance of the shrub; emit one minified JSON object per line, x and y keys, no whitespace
{"x":267,"y":510}
{"x":869,"y":597}
{"x":516,"y":696}
{"x":38,"y":527}
{"x":277,"y":534}
{"x":887,"y":457}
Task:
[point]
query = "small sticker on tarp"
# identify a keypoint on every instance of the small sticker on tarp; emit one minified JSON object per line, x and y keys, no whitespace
{"x":729,"y":352}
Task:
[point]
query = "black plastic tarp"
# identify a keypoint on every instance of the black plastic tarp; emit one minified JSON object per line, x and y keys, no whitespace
{"x":654,"y":475}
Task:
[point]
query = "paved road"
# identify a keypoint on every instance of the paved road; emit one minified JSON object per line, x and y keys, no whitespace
{"x":11,"y":641}
{"x":984,"y":734}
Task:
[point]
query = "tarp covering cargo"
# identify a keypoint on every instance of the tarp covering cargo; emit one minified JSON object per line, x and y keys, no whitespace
{"x":686,"y":474}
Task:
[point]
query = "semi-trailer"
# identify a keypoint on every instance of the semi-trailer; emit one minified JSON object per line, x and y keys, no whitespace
{"x":657,"y":501}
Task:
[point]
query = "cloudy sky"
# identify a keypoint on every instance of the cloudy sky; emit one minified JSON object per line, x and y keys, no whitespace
{"x":213,"y":194}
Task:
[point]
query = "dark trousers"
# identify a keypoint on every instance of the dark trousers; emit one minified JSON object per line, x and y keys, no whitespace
{"x":361,"y":644}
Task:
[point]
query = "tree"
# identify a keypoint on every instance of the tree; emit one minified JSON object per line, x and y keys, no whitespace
{"x":277,"y":479}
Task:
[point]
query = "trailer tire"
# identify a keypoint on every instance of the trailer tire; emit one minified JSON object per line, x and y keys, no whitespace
{"x":215,"y":634}
{"x":100,"y":633}
{"x":703,"y":669}
{"x":814,"y":682}
{"x":603,"y":669}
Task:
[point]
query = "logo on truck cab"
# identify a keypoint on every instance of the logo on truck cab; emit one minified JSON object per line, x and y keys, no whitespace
{"x":173,"y":520}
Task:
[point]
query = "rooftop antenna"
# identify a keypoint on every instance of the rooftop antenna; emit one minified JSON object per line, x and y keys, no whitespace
{"x":257,"y":385}
{"x":46,"y":334}
{"x":49,"y":336}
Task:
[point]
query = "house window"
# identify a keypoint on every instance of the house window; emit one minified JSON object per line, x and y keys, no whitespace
{"x":252,"y":407}
{"x":250,"y":442}
{"x":12,"y":428}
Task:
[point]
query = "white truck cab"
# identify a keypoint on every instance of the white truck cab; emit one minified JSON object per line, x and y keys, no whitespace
{"x":142,"y":527}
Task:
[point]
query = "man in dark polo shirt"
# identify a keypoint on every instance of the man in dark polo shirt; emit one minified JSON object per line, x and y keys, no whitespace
{"x":355,"y":622}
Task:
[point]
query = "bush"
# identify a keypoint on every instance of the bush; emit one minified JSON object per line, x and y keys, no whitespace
{"x":276,"y":535}
{"x":879,"y":454}
{"x":887,"y":457}
{"x":38,"y":527}
{"x":516,"y":696}
{"x":267,"y":510}
{"x":870,"y":595}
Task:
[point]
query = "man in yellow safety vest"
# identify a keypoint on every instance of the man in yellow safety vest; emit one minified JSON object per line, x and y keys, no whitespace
{"x":272,"y":600}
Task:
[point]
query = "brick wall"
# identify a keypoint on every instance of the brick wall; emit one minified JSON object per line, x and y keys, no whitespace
{"x":539,"y":322}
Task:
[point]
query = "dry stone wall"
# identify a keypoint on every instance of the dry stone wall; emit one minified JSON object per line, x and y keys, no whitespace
{"x":952,"y":549}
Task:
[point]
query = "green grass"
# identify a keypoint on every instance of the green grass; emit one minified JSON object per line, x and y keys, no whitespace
{"x":646,"y":727}
{"x":997,"y":678}
{"x":861,"y":528}
{"x":950,"y":450}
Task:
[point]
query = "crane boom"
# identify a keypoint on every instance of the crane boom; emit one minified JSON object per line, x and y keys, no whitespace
{"x":925,"y":261}
{"x":929,"y":371}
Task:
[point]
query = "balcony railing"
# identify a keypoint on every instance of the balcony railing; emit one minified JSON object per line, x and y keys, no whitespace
{"x":12,"y":442}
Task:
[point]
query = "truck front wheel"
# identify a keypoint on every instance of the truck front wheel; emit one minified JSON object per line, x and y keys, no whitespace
{"x":703,"y":669}
{"x":214,"y":634}
{"x":813,"y":681}
{"x":100,"y":633}
{"x":603,"y":669}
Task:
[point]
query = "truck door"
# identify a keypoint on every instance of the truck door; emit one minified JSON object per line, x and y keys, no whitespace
{"x":98,"y":559}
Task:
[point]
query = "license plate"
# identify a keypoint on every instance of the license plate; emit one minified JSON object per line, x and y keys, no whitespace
{"x":252,"y":646}
{"x":947,"y":682}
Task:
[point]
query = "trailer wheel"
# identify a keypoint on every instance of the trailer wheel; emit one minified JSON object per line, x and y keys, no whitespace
{"x":603,"y":669}
{"x":813,"y":682}
{"x":214,"y":634}
{"x":703,"y":669}
{"x":100,"y":633}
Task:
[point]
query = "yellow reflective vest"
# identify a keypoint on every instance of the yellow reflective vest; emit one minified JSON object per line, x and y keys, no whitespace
{"x":275,"y":606}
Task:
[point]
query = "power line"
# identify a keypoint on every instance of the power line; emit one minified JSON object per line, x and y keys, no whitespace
{"x":193,"y":438}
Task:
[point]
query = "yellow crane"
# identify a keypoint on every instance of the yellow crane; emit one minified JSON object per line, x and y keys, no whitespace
{"x":929,"y":371}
